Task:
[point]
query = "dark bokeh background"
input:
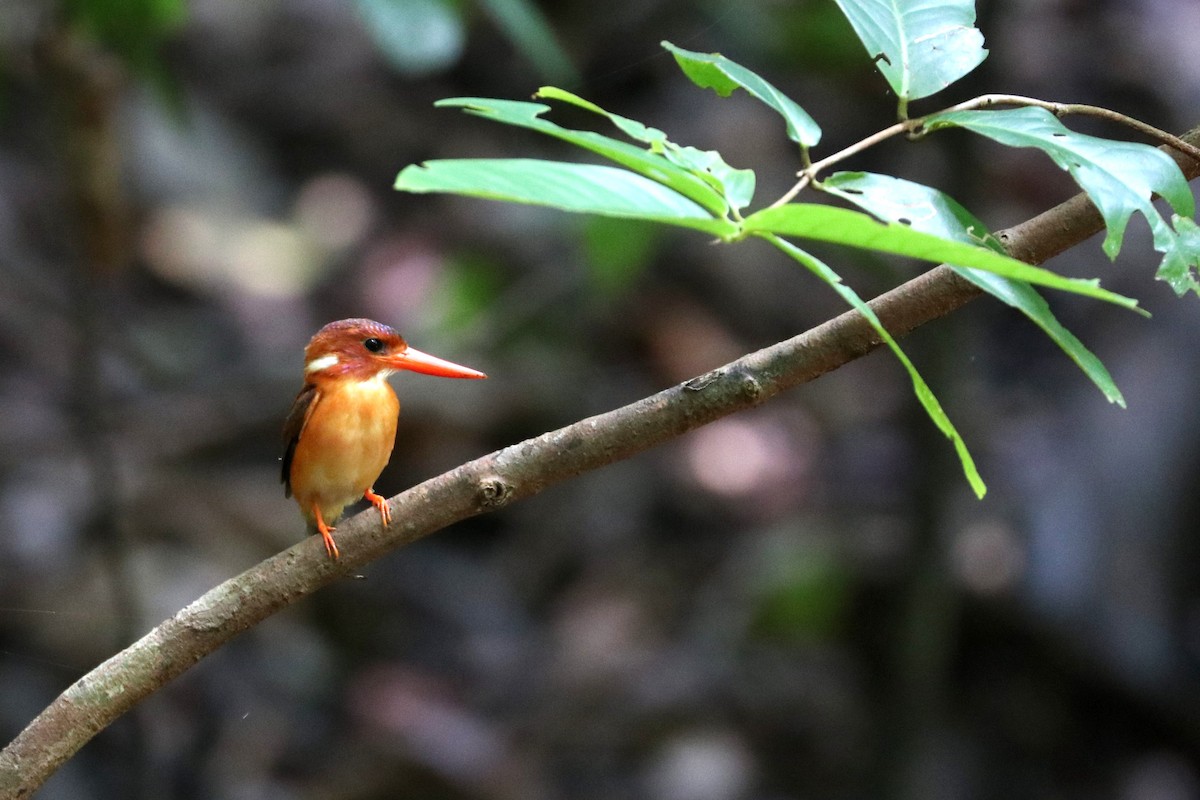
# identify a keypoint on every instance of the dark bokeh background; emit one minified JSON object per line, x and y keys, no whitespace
{"x":801,"y":601}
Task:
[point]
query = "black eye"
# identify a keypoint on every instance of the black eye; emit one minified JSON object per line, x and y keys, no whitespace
{"x":373,"y":344}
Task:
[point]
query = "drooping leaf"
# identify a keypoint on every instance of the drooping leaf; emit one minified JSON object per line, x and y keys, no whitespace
{"x":920,"y":46}
{"x":735,"y":185}
{"x":1119,"y":177}
{"x":924,"y":394}
{"x":1182,"y":260}
{"x":581,"y":188}
{"x":931,"y":211}
{"x":652,"y":165}
{"x":715,"y":71}
{"x":854,"y":229}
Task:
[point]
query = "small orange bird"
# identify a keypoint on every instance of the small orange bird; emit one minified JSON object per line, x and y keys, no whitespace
{"x":342,"y":426}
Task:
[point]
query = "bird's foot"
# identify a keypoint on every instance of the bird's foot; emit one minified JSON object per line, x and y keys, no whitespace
{"x":326,"y":534}
{"x":330,"y":545}
{"x":385,"y":513}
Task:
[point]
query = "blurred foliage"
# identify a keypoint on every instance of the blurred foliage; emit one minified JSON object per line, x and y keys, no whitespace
{"x":419,"y":37}
{"x":416,"y":36}
{"x":617,"y":251}
{"x":529,"y":30}
{"x":805,"y":602}
{"x":469,"y":284}
{"x":132,"y":29}
{"x":818,"y":36}
{"x":805,"y":596}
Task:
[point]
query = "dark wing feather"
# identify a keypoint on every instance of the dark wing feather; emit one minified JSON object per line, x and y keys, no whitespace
{"x":297,"y":418}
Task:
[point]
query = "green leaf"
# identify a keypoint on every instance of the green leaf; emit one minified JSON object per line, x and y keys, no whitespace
{"x":649,"y":164}
{"x":1119,"y":177}
{"x":630,"y":127}
{"x":921,"y":47}
{"x":735,"y":185}
{"x":580,"y":188}
{"x":924,"y":394}
{"x":1025,"y":298}
{"x":854,"y":229}
{"x":923,"y":208}
{"x":1181,"y":261}
{"x":928,"y":210}
{"x":715,"y":71}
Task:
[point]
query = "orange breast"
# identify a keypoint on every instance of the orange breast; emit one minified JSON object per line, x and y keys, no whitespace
{"x":344,"y":446}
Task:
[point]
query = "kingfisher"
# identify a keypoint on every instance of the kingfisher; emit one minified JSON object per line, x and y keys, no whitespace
{"x":342,"y":426}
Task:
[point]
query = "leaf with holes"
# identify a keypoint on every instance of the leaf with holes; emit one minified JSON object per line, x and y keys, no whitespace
{"x":1119,"y":177}
{"x":920,"y":47}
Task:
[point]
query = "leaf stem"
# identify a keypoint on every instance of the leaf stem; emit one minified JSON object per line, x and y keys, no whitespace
{"x":809,"y":173}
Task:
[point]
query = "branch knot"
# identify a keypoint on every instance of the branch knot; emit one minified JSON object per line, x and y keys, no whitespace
{"x":750,"y":386}
{"x":494,"y":492}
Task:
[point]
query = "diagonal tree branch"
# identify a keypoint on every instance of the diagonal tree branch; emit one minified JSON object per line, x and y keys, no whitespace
{"x":495,"y":480}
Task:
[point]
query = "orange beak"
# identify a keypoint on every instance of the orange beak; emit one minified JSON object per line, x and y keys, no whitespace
{"x":414,"y":360}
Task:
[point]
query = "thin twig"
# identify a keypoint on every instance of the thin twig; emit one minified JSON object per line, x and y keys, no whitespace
{"x":809,"y":174}
{"x":1064,"y":109}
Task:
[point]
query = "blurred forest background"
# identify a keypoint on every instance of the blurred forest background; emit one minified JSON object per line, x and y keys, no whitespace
{"x":800,"y":601}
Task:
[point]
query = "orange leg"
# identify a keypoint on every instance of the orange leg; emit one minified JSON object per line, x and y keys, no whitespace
{"x":326,"y":533}
{"x":385,"y":513}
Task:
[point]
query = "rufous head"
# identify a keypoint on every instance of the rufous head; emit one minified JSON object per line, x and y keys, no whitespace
{"x":360,"y":349}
